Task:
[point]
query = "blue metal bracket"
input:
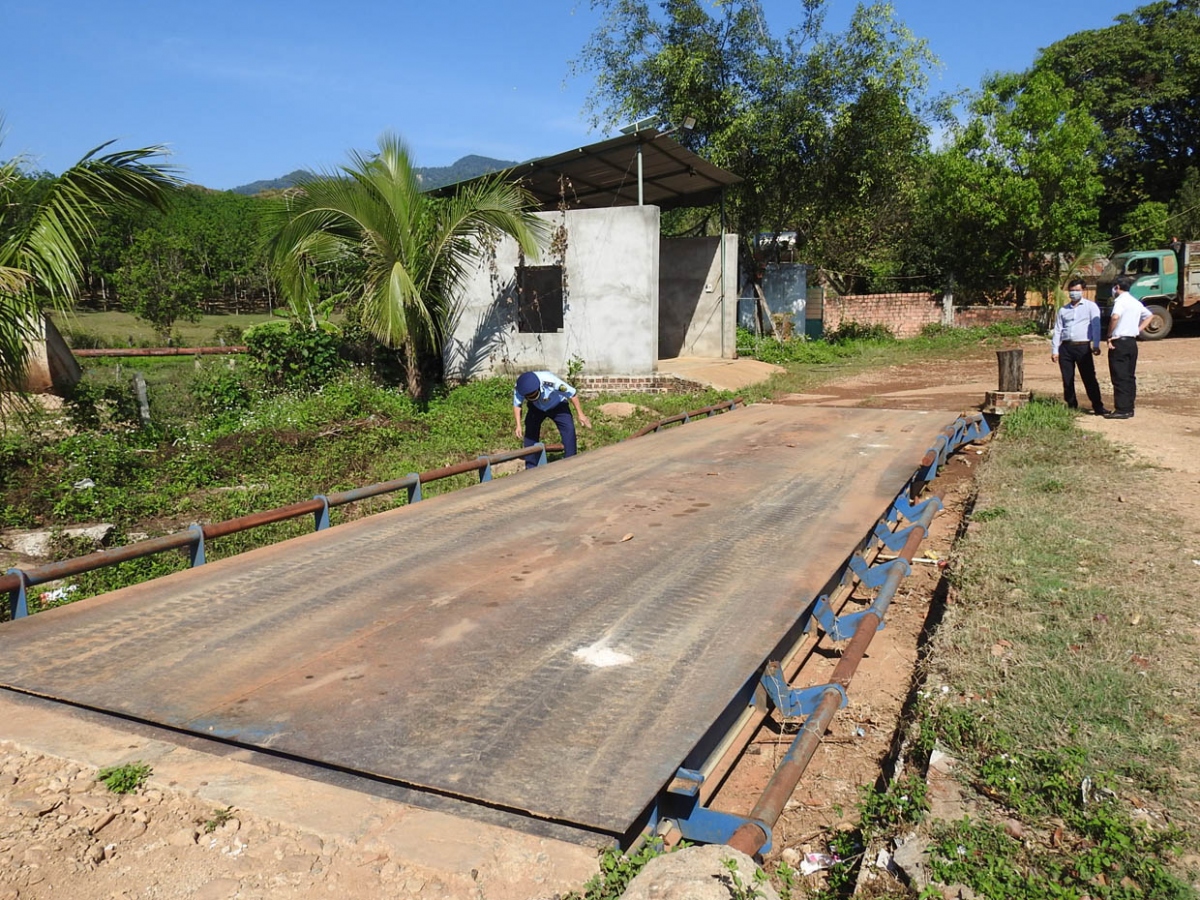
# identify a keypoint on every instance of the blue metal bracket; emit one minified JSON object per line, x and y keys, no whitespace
{"x":681,"y":804}
{"x":18,"y":604}
{"x":485,"y":473}
{"x":976,"y":428}
{"x":903,"y":507}
{"x":796,"y":702}
{"x":875,"y":576}
{"x":839,"y":628}
{"x":892,"y":540}
{"x":321,"y":516}
{"x":414,"y":489}
{"x":196,"y":554}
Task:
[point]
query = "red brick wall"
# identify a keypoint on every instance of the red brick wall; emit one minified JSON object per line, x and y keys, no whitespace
{"x":904,"y":314}
{"x":907,"y":314}
{"x":973,"y":316}
{"x":658,"y":383}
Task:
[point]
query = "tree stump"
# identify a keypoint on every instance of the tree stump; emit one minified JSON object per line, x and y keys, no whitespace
{"x":1012,"y":369}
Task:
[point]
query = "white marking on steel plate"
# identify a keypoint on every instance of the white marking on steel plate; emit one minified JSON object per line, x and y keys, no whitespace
{"x":602,"y":656}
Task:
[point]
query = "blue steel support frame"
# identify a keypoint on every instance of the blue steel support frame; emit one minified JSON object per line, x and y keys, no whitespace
{"x":680,"y":801}
{"x":680,"y":804}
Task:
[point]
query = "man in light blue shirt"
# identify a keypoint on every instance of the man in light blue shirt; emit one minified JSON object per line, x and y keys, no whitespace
{"x":547,"y":396}
{"x":1075,"y":341}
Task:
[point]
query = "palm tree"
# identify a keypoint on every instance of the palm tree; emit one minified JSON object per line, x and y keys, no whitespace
{"x":416,"y":249}
{"x":44,"y":234}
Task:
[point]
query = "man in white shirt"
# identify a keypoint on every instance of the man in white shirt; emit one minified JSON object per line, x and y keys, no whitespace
{"x":1075,"y":341}
{"x":1129,"y":319}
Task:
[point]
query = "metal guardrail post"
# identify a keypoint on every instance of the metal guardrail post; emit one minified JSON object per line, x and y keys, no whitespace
{"x":414,"y":489}
{"x":196,"y":551}
{"x":18,"y":604}
{"x":321,"y":516}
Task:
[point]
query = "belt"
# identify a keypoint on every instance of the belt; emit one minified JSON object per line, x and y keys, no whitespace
{"x":1078,"y":343}
{"x":1125,"y":337}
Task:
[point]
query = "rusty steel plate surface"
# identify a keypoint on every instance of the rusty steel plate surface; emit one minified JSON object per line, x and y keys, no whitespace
{"x":555,"y":642}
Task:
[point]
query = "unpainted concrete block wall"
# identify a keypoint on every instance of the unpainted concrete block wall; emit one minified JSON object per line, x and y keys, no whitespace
{"x":610,"y":304}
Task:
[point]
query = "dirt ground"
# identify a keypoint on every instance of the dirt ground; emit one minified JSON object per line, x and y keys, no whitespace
{"x":63,"y":835}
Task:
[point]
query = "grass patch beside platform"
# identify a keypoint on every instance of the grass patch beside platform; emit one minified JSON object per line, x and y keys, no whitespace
{"x":1058,"y":679}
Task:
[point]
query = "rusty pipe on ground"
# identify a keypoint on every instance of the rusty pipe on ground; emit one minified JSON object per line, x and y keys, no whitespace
{"x":162,"y":351}
{"x":750,"y":838}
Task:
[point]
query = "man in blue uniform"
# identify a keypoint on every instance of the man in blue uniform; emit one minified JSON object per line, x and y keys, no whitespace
{"x":547,"y":396}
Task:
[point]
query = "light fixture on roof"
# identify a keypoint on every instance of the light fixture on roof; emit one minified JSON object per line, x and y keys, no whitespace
{"x":651,"y":122}
{"x":688,"y":123}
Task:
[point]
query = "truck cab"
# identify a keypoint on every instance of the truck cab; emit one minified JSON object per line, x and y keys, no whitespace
{"x":1157,"y":282}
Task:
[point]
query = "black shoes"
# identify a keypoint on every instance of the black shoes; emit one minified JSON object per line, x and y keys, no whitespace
{"x":1118,"y":414}
{"x":1101,"y":412}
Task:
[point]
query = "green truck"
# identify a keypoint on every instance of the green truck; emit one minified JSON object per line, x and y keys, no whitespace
{"x":1166,"y":281}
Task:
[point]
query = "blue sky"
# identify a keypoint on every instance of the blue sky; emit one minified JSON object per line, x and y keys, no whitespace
{"x":253,"y":90}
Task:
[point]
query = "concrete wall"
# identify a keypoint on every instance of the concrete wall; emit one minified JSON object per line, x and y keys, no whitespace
{"x":697,"y":301}
{"x":51,"y":367}
{"x":610,"y":302}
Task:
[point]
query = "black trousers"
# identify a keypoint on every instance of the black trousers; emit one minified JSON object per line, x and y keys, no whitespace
{"x":1070,"y":357}
{"x":1122,"y":368}
{"x":561,"y":416}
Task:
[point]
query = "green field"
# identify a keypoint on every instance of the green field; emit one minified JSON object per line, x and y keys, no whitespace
{"x":121,"y":329}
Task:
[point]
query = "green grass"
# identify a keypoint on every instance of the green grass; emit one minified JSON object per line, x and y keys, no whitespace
{"x":120,"y":329}
{"x":1070,"y":701}
{"x":124,"y":779}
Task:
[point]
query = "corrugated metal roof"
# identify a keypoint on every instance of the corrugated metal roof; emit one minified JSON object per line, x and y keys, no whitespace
{"x":605,"y":174}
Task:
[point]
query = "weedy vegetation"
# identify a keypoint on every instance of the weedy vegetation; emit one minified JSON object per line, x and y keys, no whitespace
{"x":125,"y":779}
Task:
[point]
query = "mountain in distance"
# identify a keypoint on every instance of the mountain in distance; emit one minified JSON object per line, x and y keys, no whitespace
{"x":431,"y":176}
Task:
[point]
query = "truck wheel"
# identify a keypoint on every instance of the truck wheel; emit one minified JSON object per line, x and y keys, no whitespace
{"x":1160,"y":323}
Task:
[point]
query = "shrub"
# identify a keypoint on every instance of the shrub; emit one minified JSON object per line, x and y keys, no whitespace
{"x":219,"y":389}
{"x":229,"y":336}
{"x":285,"y":355}
{"x":857,"y":331}
{"x":91,"y":405}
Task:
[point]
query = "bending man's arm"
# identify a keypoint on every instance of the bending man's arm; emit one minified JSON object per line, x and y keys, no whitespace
{"x":583,"y":419}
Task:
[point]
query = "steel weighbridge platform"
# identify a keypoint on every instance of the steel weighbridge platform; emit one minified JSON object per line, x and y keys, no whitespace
{"x":552,"y":646}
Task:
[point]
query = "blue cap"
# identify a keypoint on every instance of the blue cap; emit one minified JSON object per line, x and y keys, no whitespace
{"x":527,"y":383}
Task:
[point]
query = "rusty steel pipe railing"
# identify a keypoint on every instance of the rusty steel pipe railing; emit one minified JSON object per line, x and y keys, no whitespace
{"x":750,"y":838}
{"x":98,"y":560}
{"x":258,"y":519}
{"x":193,"y":538}
{"x":688,"y":416}
{"x":161,"y":351}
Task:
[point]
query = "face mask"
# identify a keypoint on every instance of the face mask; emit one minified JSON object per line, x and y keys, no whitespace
{"x":1075,"y":295}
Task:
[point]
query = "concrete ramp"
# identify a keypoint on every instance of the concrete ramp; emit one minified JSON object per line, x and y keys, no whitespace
{"x":553,"y":644}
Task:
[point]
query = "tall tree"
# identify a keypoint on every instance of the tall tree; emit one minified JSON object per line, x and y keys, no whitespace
{"x":416,"y":249}
{"x":785,"y":113}
{"x":162,"y":280}
{"x":45,"y":226}
{"x":1017,"y":184}
{"x":1140,"y":79}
